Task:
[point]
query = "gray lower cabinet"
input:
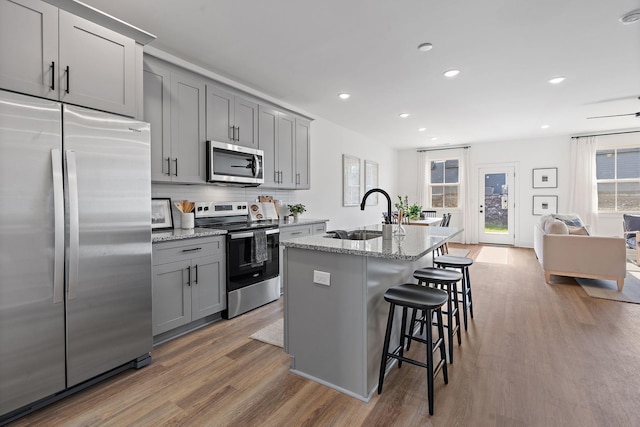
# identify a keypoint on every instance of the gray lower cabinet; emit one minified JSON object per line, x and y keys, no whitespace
{"x":174,"y":105}
{"x":189,"y":279}
{"x":54,"y":54}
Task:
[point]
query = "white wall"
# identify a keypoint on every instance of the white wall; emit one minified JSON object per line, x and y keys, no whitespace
{"x":525,"y":155}
{"x":324,"y":200}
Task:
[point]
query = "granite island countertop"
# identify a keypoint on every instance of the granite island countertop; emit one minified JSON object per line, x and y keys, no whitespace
{"x":300,"y":221}
{"x":416,"y":243}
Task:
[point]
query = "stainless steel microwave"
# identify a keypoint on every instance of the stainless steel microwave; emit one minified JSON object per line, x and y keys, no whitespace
{"x":229,"y":164}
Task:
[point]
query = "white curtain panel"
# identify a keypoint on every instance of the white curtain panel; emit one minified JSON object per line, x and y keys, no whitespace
{"x":583,"y":198}
{"x":422,"y":179}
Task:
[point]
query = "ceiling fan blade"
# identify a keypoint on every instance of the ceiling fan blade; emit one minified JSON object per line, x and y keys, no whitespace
{"x":615,"y":115}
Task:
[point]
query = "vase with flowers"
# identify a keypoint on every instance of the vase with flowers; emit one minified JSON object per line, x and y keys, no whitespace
{"x":296,"y":210}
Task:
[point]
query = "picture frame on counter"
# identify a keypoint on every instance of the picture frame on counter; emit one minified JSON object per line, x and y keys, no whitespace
{"x":545,"y":178}
{"x":350,"y":180}
{"x":161,"y":214}
{"x":371,"y":181}
{"x":545,"y":205}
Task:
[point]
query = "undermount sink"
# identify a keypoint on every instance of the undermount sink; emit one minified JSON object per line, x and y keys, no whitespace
{"x":356,"y":235}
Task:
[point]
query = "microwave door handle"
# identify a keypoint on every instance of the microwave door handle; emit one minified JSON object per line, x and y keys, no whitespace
{"x":256,"y":166}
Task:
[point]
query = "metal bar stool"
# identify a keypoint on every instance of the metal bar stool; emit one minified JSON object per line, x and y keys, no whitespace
{"x":429,"y":300}
{"x":461,"y":263}
{"x":447,"y":280}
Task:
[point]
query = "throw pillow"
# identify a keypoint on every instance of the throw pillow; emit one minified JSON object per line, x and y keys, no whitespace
{"x":556,"y":227}
{"x":631,"y":223}
{"x":543,"y":221}
{"x":573,"y":220}
{"x":579,"y":231}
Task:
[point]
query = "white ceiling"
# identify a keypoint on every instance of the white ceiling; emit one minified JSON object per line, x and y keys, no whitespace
{"x":306,"y":52}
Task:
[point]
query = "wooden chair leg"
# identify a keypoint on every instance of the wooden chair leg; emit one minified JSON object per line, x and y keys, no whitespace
{"x":620,"y":282}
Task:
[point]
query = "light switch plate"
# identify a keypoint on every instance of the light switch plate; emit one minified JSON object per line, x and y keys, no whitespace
{"x":321,"y":277}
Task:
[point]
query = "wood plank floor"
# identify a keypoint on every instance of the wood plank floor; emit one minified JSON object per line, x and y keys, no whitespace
{"x":534,"y":355}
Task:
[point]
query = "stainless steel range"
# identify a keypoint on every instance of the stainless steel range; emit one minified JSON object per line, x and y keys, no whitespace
{"x":252,"y":254}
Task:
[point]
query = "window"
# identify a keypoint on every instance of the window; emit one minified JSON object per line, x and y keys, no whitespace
{"x":444,"y":184}
{"x":618,"y":179}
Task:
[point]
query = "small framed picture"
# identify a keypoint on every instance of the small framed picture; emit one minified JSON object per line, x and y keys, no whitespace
{"x":350,"y":180}
{"x":161,"y":215}
{"x":545,"y":178}
{"x":545,"y":205}
{"x":371,"y":181}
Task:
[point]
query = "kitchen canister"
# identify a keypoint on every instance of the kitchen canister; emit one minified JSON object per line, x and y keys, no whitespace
{"x":186,"y":220}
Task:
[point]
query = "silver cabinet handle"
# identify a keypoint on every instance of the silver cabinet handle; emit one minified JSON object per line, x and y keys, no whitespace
{"x":238,"y":135}
{"x":232,"y":132}
{"x":275,"y":176}
{"x":74,"y":223}
{"x":176,"y":160}
{"x":58,"y":221}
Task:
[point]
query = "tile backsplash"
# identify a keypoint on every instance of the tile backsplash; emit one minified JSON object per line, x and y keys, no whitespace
{"x":199,"y":193}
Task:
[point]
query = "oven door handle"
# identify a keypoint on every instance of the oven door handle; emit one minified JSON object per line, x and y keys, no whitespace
{"x":249,"y":234}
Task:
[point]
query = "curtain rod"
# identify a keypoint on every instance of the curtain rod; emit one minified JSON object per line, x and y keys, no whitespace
{"x":605,"y":134}
{"x":453,"y":147}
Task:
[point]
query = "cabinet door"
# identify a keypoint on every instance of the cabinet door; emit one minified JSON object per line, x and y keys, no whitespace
{"x":157,"y":111}
{"x":267,"y":138}
{"x":29,"y":47}
{"x":246,"y":122}
{"x":171,"y":296}
{"x":188,"y":144}
{"x":286,"y":150}
{"x":220,"y":112}
{"x":303,"y":127}
{"x":208,"y":290}
{"x":97,"y":66}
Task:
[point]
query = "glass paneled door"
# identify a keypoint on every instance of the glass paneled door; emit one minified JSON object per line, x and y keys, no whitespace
{"x":496,"y":216}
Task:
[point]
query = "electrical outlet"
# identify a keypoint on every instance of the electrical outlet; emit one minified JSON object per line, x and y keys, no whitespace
{"x":321,"y":277}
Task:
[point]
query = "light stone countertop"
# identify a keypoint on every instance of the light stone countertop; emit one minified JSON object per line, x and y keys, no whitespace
{"x":300,"y":221}
{"x":179,"y":234}
{"x":417,"y":242}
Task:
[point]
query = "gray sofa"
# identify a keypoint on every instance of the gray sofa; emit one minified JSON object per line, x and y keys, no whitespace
{"x":577,"y":255}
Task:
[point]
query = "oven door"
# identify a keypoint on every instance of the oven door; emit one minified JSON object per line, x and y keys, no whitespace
{"x":241,"y":271}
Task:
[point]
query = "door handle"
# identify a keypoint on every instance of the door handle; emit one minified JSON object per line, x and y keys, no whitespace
{"x":53,"y":75}
{"x":58,"y":220}
{"x":74,"y":224}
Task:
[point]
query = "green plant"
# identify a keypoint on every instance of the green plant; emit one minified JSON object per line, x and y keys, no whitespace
{"x":297,"y":209}
{"x":412,"y":211}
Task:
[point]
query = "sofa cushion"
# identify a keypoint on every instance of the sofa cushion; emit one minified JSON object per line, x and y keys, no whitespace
{"x":579,"y":231}
{"x":556,"y":227}
{"x":573,"y":220}
{"x":543,"y":221}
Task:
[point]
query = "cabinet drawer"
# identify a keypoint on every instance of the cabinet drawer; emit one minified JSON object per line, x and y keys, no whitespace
{"x":320,"y":228}
{"x":292,"y":232}
{"x":180,"y":250}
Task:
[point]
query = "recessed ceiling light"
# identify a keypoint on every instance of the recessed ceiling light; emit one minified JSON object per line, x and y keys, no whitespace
{"x":404,"y":115}
{"x":630,"y":17}
{"x":425,"y":47}
{"x":556,"y":80}
{"x":421,"y":129}
{"x":434,"y":138}
{"x":344,"y":95}
{"x":451,"y":73}
{"x":544,"y":126}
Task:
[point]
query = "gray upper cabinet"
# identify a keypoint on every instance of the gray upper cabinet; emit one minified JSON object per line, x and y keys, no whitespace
{"x":174,"y":105}
{"x":276,"y":137}
{"x":51,"y":53}
{"x":231,"y":118}
{"x":303,"y":140}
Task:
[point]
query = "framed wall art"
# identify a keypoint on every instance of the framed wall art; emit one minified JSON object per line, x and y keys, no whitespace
{"x":371,"y":181}
{"x":161,"y":215}
{"x":545,"y":178}
{"x":545,"y":205}
{"x":350,"y":180}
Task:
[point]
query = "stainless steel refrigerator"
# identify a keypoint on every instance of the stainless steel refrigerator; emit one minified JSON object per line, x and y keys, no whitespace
{"x":75,"y":247}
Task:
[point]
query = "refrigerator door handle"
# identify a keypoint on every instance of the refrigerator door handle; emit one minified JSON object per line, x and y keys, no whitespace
{"x":58,"y":224}
{"x":74,"y":224}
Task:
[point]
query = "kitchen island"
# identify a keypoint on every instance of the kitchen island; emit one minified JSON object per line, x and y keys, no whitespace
{"x":335,"y":313}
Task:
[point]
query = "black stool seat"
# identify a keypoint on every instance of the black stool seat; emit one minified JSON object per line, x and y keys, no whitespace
{"x":429,"y":300}
{"x":437,"y":275}
{"x":452,"y":261}
{"x":461,"y":263}
{"x":419,"y":297}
